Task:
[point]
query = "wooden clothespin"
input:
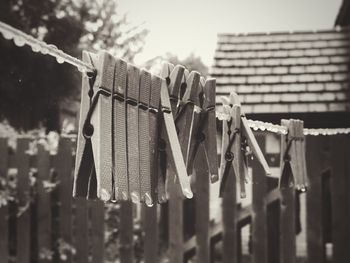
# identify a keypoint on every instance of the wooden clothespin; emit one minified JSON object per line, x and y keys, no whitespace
{"x":133,"y":84}
{"x":238,"y":142}
{"x":188,"y":115}
{"x":205,"y":129}
{"x":172,"y":145}
{"x":293,"y":168}
{"x":173,"y":76}
{"x":144,"y":138}
{"x":119,"y":133}
{"x":93,"y":176}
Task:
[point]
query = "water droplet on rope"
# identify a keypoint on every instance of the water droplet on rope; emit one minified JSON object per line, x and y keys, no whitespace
{"x":60,"y":60}
{"x":19,"y":41}
{"x":44,"y":51}
{"x":35,"y":48}
{"x":7,"y":35}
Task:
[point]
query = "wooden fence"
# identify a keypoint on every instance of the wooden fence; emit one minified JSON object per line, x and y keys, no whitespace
{"x":50,"y":226}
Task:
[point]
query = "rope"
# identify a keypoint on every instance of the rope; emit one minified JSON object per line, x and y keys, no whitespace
{"x":20,"y":39}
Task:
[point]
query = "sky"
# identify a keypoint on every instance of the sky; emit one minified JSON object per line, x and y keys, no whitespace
{"x":182,"y":27}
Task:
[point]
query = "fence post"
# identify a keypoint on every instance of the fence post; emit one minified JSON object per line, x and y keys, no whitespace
{"x":340,"y":188}
{"x":63,"y":168}
{"x":4,"y":246}
{"x":287,"y":216}
{"x":97,"y":230}
{"x":43,"y":205}
{"x":150,"y":227}
{"x":23,"y":189}
{"x":81,"y":230}
{"x":126,"y":244}
{"x":229,"y":214}
{"x":259,"y":217}
{"x":314,"y":216}
{"x":202,"y":208}
{"x":176,"y":238}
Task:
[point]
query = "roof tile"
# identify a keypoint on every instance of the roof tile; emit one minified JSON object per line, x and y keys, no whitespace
{"x":289,"y":97}
{"x":318,"y":107}
{"x":253,"y":98}
{"x":297,"y":69}
{"x":272,"y":62}
{"x":320,"y":44}
{"x":333,"y":86}
{"x":321,"y":60}
{"x":323,"y":77}
{"x":279,"y":108}
{"x":297,"y":87}
{"x":315,"y":87}
{"x":328,"y":51}
{"x":279,"y":88}
{"x":296,"y":53}
{"x":271,"y":98}
{"x":298,"y":107}
{"x":261,"y":108}
{"x":272,"y":79}
{"x":341,"y":76}
{"x":255,"y":79}
{"x":264,"y":70}
{"x":306,"y":78}
{"x":257,"y":62}
{"x":339,"y":106}
{"x":288,"y":45}
{"x":302,"y":61}
{"x":312,"y":52}
{"x":280,"y":54}
{"x":313,"y":69}
{"x":289,"y":78}
{"x":280,"y":70}
{"x":304,"y":45}
{"x":339,"y":59}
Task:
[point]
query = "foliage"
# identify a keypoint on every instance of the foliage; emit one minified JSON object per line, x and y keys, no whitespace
{"x":32,"y":85}
{"x":192,"y":62}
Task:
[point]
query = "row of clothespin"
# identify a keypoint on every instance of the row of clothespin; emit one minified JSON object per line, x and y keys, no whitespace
{"x":140,"y":131}
{"x":135,"y":127}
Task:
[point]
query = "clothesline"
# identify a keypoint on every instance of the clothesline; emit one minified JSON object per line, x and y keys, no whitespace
{"x":20,"y":39}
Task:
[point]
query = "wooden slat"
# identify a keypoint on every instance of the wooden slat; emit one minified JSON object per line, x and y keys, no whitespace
{"x":229,"y":210}
{"x":97,"y":230}
{"x":4,"y":246}
{"x":23,"y":189}
{"x":202,"y":207}
{"x":287,"y":216}
{"x":259,"y":217}
{"x":63,"y":169}
{"x":340,"y":152}
{"x":126,"y":247}
{"x":176,"y":239}
{"x":150,"y":225}
{"x":43,"y":204}
{"x":81,"y":230}
{"x":314,"y":221}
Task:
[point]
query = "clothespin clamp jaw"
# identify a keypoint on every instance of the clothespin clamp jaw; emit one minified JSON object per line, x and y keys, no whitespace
{"x":95,"y":179}
{"x":205,"y":134}
{"x":293,"y":163}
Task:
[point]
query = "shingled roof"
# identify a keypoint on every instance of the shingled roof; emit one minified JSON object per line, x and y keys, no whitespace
{"x":285,"y":72}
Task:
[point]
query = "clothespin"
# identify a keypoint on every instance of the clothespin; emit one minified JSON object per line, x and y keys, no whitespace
{"x":120,"y":161}
{"x":171,"y":145}
{"x":238,"y":142}
{"x":133,"y":84}
{"x":205,"y":130}
{"x":188,"y":115}
{"x":173,"y":76}
{"x":93,"y":168}
{"x":144,"y":138}
{"x":154,"y":114}
{"x":293,"y":168}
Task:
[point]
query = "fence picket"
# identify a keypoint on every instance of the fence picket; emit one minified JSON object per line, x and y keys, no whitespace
{"x":126,"y":244}
{"x":314,"y":222}
{"x":23,"y":190}
{"x":43,"y":205}
{"x":202,"y":208}
{"x":63,"y":167}
{"x":340,"y":152}
{"x":97,"y":231}
{"x":229,"y":216}
{"x":259,"y":216}
{"x":176,"y":237}
{"x":151,"y":234}
{"x":81,"y":230}
{"x":4,"y":231}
